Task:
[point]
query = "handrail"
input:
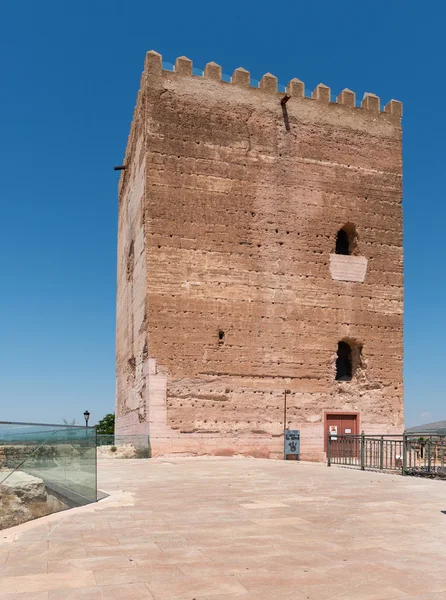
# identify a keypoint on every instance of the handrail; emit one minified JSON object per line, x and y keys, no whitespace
{"x":49,"y":425}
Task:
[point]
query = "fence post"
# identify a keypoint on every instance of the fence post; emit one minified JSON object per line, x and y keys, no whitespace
{"x":404,"y":465}
{"x":96,"y":463}
{"x":362,"y":451}
{"x":381,"y":453}
{"x":329,"y":451}
{"x":429,"y":455}
{"x":442,"y":454}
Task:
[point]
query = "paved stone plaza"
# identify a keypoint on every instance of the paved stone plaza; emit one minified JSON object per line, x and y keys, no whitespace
{"x":229,"y":528}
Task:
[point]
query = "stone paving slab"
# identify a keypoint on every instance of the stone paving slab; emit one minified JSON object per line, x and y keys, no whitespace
{"x":235,"y":529}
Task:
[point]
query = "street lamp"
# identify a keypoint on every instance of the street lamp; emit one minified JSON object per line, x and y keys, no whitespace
{"x":86,"y":417}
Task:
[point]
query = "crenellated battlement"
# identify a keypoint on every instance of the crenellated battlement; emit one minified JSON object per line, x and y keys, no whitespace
{"x":268,"y":84}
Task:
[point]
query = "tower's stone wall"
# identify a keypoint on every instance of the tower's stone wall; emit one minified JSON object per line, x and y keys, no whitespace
{"x":231,"y":202}
{"x":131,"y":330}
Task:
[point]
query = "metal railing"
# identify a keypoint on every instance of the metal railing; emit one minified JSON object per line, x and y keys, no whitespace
{"x":409,"y":454}
{"x":425,"y":455}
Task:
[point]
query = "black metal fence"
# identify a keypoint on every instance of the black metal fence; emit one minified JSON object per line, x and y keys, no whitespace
{"x":409,"y":454}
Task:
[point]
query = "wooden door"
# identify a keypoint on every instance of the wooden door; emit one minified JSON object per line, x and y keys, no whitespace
{"x":340,"y":424}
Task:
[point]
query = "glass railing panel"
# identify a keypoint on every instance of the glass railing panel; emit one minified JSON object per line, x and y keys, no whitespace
{"x":18,"y":442}
{"x":63,"y":458}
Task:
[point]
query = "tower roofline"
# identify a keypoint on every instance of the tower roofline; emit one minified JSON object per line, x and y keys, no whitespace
{"x":269,"y":84}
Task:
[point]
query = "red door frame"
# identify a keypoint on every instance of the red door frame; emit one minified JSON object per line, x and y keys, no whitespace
{"x":340,"y":413}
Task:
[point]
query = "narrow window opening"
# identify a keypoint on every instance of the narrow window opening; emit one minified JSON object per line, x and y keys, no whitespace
{"x":347,"y":240}
{"x":221,"y":336}
{"x":342,"y":242}
{"x":344,"y":368}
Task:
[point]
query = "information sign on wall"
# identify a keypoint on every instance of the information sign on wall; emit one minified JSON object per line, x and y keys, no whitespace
{"x":333,"y":431}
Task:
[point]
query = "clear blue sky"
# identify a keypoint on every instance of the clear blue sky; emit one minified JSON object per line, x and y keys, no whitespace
{"x":69,"y":75}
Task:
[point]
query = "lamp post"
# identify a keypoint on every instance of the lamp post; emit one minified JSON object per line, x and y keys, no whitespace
{"x":86,"y":417}
{"x":284,"y":409}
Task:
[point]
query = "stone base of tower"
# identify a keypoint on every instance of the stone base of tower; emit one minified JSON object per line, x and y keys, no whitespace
{"x":256,"y":446}
{"x":165,"y":439}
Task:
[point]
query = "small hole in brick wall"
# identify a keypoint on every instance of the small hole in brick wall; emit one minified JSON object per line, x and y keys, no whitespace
{"x":221,"y":336}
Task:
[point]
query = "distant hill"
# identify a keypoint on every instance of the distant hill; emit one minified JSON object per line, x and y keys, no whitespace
{"x":437,"y":427}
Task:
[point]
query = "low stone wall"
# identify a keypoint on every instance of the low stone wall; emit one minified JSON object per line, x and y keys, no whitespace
{"x":123,"y":451}
{"x":23,"y":498}
{"x":11,"y":456}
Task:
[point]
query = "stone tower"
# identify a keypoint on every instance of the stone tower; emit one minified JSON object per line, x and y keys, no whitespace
{"x":259,"y":250}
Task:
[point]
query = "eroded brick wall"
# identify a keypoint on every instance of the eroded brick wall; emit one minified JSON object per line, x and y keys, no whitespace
{"x":131,"y":330}
{"x":243,"y":201}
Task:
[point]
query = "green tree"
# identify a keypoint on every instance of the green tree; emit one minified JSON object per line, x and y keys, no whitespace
{"x":106,"y":426}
